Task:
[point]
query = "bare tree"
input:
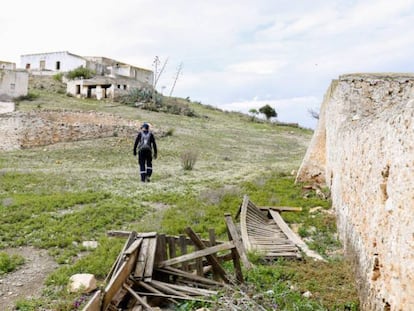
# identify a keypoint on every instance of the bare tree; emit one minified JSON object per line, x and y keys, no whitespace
{"x":179,"y":71}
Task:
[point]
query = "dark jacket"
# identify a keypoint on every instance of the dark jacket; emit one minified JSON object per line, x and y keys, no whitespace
{"x":152,"y":142}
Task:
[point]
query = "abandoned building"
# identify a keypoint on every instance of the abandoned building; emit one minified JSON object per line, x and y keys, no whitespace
{"x":112,"y":77}
{"x":13,"y":83}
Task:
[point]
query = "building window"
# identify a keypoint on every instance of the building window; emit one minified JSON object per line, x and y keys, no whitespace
{"x":57,"y":65}
{"x":12,"y":86}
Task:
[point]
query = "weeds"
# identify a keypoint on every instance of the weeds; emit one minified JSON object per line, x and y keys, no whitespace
{"x":188,"y":159}
{"x":9,"y":263}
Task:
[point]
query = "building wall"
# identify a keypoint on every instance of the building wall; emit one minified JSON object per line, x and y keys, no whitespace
{"x":13,"y":84}
{"x":67,"y":61}
{"x":368,"y":146}
{"x":7,"y":65}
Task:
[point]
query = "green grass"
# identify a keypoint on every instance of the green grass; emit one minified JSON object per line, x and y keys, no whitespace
{"x":8,"y":263}
{"x":55,"y":197}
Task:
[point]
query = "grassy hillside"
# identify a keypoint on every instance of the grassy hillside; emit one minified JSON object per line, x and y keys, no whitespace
{"x":55,"y":197}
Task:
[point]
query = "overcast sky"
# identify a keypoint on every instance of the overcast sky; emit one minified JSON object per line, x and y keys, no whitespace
{"x":235,"y":55}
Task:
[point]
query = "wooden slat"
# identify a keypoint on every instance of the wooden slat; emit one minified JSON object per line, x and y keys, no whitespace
{"x":119,"y":278}
{"x":197,"y":254}
{"x":138,"y":297}
{"x":133,"y":247}
{"x":187,"y":275}
{"x":211,"y":258}
{"x":281,"y":208}
{"x":153,"y":290}
{"x":243,"y":224}
{"x":94,"y":304}
{"x":141,"y":260}
{"x":164,"y":287}
{"x":293,"y":236}
{"x":234,"y":236}
{"x":149,"y":265}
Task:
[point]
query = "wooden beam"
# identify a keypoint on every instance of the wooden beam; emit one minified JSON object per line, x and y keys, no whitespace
{"x":243,"y":224}
{"x":197,"y":254}
{"x":211,"y":258}
{"x":141,"y":260}
{"x":133,"y":247}
{"x":234,"y":236}
{"x":153,"y":290}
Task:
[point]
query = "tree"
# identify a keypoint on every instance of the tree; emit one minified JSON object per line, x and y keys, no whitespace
{"x":268,"y":111}
{"x":254,"y":113}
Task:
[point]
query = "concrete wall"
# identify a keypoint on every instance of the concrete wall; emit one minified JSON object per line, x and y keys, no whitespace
{"x":13,"y":84}
{"x":21,"y":130}
{"x":363,"y":148}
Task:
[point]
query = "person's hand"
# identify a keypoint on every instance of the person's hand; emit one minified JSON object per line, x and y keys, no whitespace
{"x":135,"y":154}
{"x":155,"y":156}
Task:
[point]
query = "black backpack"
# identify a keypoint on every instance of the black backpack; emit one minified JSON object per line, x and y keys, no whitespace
{"x":145,"y":143}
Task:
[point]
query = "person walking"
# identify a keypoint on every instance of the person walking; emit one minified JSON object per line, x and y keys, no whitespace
{"x":145,"y":143}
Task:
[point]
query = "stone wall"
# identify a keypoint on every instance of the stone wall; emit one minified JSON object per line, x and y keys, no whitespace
{"x":363,"y":149}
{"x":21,"y":130}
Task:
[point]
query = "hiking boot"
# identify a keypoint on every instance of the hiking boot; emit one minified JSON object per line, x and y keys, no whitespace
{"x":147,"y":179}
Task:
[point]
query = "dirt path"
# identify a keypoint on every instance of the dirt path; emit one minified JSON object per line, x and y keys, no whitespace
{"x":28,"y":279}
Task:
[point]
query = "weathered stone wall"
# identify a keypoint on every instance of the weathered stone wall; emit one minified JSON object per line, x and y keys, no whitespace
{"x":31,"y":129}
{"x":365,"y":139}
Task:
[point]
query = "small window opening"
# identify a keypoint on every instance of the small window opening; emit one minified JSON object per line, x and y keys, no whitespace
{"x":58,"y":65}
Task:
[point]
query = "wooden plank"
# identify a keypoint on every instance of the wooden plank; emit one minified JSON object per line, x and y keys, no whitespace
{"x":118,"y":262}
{"x":138,"y":297}
{"x":243,"y":224}
{"x":193,"y":290}
{"x":187,"y":275}
{"x":197,"y":254}
{"x":281,"y":208}
{"x":171,"y":247}
{"x":133,"y":247}
{"x":211,"y":258}
{"x":167,"y":289}
{"x":183,"y":249}
{"x":153,"y":290}
{"x":234,"y":236}
{"x":149,"y":265}
{"x":141,"y":260}
{"x":119,"y":278}
{"x":293,"y":236}
{"x":94,"y":304}
{"x":174,"y":296}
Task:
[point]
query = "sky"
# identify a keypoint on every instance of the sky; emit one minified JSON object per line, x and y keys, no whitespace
{"x":234,"y":55}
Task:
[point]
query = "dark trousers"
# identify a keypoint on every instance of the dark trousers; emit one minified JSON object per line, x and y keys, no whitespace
{"x":145,"y":164}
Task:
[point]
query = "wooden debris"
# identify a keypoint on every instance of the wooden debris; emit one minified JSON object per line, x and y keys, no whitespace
{"x":264,"y":230}
{"x":154,"y":269}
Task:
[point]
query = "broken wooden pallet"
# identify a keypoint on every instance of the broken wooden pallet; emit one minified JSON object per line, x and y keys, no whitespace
{"x":153,"y":269}
{"x":264,"y":230}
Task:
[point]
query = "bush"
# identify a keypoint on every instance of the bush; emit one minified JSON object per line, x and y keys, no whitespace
{"x":80,"y":72}
{"x":29,"y":97}
{"x":8,"y":263}
{"x":58,"y":77}
{"x":188,"y":159}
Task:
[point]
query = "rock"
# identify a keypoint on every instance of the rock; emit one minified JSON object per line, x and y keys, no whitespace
{"x":307,"y":294}
{"x":90,"y":244}
{"x":83,"y":282}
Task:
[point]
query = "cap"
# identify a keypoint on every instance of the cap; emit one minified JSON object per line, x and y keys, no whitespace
{"x":145,"y":126}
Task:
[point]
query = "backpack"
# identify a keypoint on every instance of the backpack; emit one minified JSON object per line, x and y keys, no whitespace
{"x":145,"y":144}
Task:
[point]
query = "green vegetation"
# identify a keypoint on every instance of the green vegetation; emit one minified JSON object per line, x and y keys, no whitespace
{"x":80,"y":72}
{"x":9,"y":263}
{"x":56,"y":197}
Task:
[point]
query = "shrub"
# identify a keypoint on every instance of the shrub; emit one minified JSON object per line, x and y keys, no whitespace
{"x":188,"y":159}
{"x":58,"y":77}
{"x":29,"y":97}
{"x":80,"y":72}
{"x":9,"y":263}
